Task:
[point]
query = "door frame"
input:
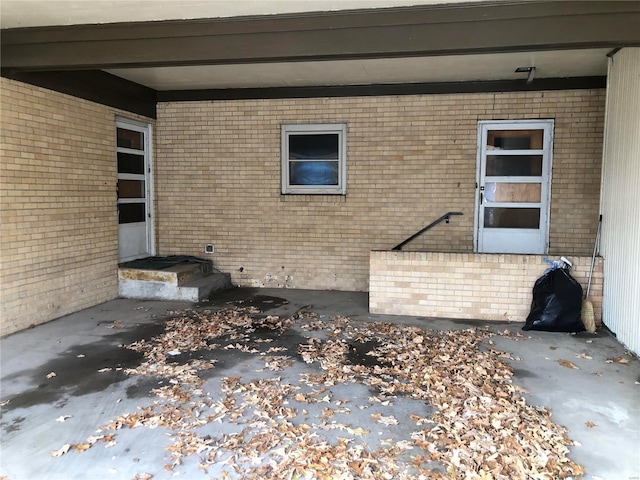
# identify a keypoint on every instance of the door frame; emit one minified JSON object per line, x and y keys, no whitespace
{"x":548,"y":125}
{"x":147,"y":130}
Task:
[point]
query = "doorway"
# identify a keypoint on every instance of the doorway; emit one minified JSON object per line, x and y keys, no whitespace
{"x":134,"y":187}
{"x":513,"y":186}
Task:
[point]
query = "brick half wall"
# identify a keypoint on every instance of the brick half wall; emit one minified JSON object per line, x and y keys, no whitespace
{"x":466,"y":285}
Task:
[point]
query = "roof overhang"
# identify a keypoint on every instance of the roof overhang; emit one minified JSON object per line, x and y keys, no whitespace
{"x":407,"y":46}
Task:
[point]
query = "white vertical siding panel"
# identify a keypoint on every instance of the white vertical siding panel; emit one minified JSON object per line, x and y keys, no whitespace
{"x":620,"y":244}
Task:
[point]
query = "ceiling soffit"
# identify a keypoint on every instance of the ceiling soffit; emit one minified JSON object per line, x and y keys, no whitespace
{"x":76,"y":59}
{"x":384,"y":33}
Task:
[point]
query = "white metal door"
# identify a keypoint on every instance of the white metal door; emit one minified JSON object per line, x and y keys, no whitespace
{"x":135,"y":221}
{"x":513,"y":180}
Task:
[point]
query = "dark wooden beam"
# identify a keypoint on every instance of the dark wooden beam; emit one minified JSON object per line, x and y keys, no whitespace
{"x":375,"y":33}
{"x":382,"y":89}
{"x":94,"y":85}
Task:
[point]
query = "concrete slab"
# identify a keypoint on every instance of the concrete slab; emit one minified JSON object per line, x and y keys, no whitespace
{"x":598,"y":401}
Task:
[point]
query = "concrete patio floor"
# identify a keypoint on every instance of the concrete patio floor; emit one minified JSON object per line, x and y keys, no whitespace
{"x":598,"y":401}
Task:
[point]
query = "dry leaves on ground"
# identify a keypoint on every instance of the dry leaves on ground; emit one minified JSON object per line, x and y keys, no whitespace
{"x":620,"y":360}
{"x":567,"y":364}
{"x":481,"y":427}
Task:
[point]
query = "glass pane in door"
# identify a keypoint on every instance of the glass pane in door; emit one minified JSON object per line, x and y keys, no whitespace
{"x":499,"y":217}
{"x":515,"y":139}
{"x":131,"y":188}
{"x":505,"y":192}
{"x":130,"y":139}
{"x":130,"y":163}
{"x":514,"y":165}
{"x":131,"y":213}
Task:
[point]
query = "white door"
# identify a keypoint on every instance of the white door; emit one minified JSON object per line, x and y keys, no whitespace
{"x":513,"y":180}
{"x":135,"y":220}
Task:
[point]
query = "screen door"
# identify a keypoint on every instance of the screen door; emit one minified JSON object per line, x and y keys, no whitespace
{"x":513,"y":180}
{"x":135,"y":225}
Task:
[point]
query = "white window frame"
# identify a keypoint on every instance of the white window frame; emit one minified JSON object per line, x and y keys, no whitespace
{"x":324,"y":128}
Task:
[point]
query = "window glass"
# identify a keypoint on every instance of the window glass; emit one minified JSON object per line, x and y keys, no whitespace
{"x":514,"y":139}
{"x":317,"y":147}
{"x":514,"y":165}
{"x":130,"y":139}
{"x":131,"y":213}
{"x":131,"y":188}
{"x":130,"y":163}
{"x":496,"y":217}
{"x":505,"y":192}
{"x":313,"y":173}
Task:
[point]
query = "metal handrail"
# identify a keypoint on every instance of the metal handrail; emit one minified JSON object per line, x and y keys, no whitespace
{"x":431,"y":225}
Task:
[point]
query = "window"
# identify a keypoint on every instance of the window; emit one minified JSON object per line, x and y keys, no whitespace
{"x":314,"y":159}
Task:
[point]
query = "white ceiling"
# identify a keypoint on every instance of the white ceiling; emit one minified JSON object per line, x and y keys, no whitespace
{"x":549,"y":64}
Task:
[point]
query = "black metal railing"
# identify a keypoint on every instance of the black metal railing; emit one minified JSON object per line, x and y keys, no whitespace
{"x":444,"y":217}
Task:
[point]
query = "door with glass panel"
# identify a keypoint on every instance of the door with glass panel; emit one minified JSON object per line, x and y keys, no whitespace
{"x":513,"y":186}
{"x":135,"y":225}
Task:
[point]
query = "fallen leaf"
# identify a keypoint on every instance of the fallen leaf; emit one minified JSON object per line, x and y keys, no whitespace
{"x":620,"y":360}
{"x":584,"y":355}
{"x":64,"y":449}
{"x":389,"y":420}
{"x":590,"y":424}
{"x":567,"y":364}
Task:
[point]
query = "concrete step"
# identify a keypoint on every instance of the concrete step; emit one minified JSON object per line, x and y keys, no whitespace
{"x":203,"y":287}
{"x":158,"y":279}
{"x":175,"y":275}
{"x":193,"y":291}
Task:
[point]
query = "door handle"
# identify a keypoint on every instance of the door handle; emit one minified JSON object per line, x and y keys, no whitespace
{"x":481,"y":194}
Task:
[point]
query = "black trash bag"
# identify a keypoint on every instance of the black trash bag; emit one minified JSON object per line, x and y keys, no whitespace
{"x":557,"y":303}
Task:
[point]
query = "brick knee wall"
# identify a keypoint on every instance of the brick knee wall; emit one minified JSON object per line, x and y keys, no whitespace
{"x":465,"y":285}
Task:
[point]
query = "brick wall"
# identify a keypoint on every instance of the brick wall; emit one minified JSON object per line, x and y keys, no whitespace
{"x":410,"y":159}
{"x":59,"y":229}
{"x":466,"y":285}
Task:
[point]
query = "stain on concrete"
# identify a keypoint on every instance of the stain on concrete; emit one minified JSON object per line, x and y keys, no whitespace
{"x":142,"y":388}
{"x":13,"y":426}
{"x":231,"y":358}
{"x":244,"y":297}
{"x":358,"y":354}
{"x":522,"y":373}
{"x":77,"y":369}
